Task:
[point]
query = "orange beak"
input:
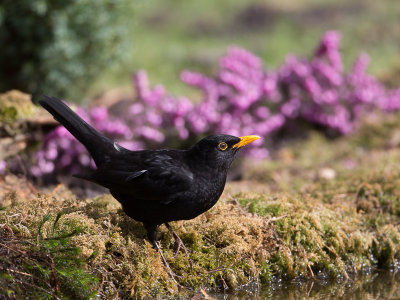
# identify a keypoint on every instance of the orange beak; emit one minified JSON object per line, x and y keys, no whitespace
{"x":244,"y":140}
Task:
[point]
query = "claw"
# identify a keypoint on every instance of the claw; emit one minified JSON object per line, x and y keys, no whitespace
{"x":171,"y":274}
{"x":179,"y":245}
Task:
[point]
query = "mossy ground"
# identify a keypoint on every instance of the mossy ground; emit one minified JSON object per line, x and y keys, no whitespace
{"x":319,"y":209}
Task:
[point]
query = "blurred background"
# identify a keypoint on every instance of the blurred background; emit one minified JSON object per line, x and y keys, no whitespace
{"x":163,"y":73}
{"x":79,"y":49}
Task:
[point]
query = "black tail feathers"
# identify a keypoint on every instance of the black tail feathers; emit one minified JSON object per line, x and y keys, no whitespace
{"x":99,"y":146}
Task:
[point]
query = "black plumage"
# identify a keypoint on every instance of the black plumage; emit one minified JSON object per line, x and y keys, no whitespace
{"x":155,"y":186}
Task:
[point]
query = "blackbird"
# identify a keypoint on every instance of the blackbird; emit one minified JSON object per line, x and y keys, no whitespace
{"x":155,"y":186}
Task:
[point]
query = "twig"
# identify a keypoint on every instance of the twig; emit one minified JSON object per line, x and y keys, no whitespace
{"x":216,"y":270}
{"x":346,"y":276}
{"x":15,"y":250}
{"x":238,"y":204}
{"x":224,"y":283}
{"x":310,"y":289}
{"x":56,"y":189}
{"x":37,"y":287}
{"x":19,"y":272}
{"x":54,"y":273}
{"x":311,"y":271}
{"x":273,"y":219}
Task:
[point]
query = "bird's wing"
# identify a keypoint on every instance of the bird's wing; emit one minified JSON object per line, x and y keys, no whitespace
{"x":158,"y":177}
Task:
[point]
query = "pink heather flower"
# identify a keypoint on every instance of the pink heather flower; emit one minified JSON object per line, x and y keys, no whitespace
{"x":152,"y":134}
{"x":99,"y":113}
{"x":61,"y":131}
{"x":312,"y":86}
{"x":258,"y":153}
{"x":35,"y":171}
{"x":51,"y":153}
{"x":360,"y":66}
{"x":270,"y":87}
{"x":141,"y":83}
{"x":46,"y":166}
{"x":83,"y":114}
{"x":262,"y":112}
{"x":84,"y":159}
{"x":392,"y":101}
{"x":158,"y":92}
{"x":66,"y":143}
{"x":291,"y":108}
{"x":136,"y":109}
{"x":329,"y":96}
{"x":327,"y":72}
{"x":232,"y":79}
{"x":154,"y":118}
{"x":3,"y":166}
{"x":183,"y":106}
{"x":193,"y":79}
{"x":245,"y":56}
{"x":65,"y":160}
{"x":301,"y":69}
{"x":168,"y":105}
{"x":197,"y":123}
{"x":329,"y":46}
{"x":179,"y":124}
{"x":241,"y":98}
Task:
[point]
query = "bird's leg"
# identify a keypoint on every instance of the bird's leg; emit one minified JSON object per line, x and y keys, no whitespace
{"x":152,"y":236}
{"x":179,"y":244}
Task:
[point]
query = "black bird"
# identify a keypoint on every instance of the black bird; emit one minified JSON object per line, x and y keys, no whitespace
{"x":155,"y":186}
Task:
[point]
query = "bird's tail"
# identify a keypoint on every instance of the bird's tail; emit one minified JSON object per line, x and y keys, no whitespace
{"x":99,"y":146}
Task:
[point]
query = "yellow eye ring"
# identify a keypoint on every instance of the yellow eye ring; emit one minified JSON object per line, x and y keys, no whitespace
{"x":222,"y":146}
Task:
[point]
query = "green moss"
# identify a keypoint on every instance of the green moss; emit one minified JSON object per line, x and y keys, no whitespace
{"x":259,"y":205}
{"x":8,"y":114}
{"x":51,"y":266}
{"x":15,"y":105}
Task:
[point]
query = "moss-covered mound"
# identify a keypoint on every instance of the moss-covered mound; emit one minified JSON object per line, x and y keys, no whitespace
{"x":320,"y":209}
{"x":15,"y":105}
{"x":21,"y":124}
{"x":248,"y":238}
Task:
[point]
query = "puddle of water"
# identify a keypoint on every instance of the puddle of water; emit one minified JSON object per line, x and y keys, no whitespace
{"x":379,"y":285}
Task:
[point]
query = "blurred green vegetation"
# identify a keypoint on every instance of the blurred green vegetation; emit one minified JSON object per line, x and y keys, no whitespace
{"x":59,"y":47}
{"x":81,"y":48}
{"x":173,"y":35}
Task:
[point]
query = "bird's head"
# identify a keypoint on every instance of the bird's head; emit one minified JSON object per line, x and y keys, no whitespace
{"x":219,"y":151}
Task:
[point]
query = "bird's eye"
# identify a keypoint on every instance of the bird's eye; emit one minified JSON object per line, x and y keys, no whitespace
{"x":222,"y":146}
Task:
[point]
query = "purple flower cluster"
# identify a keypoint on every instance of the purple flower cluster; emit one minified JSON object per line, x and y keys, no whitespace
{"x":3,"y":166}
{"x":241,"y":98}
{"x":319,"y":91}
{"x":61,"y":153}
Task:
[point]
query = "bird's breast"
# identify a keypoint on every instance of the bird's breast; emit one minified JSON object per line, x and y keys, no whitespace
{"x":208,"y":191}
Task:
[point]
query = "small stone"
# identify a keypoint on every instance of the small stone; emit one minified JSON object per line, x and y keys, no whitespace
{"x":327,"y":173}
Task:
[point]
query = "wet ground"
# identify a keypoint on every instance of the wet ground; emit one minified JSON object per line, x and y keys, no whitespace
{"x":379,"y":285}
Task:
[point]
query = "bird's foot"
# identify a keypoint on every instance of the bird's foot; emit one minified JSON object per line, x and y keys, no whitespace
{"x":170,"y":273}
{"x":180,"y":245}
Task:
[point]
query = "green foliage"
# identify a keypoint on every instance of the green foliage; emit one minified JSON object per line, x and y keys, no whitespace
{"x":50,"y":268}
{"x":58,"y":47}
{"x":259,"y":205}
